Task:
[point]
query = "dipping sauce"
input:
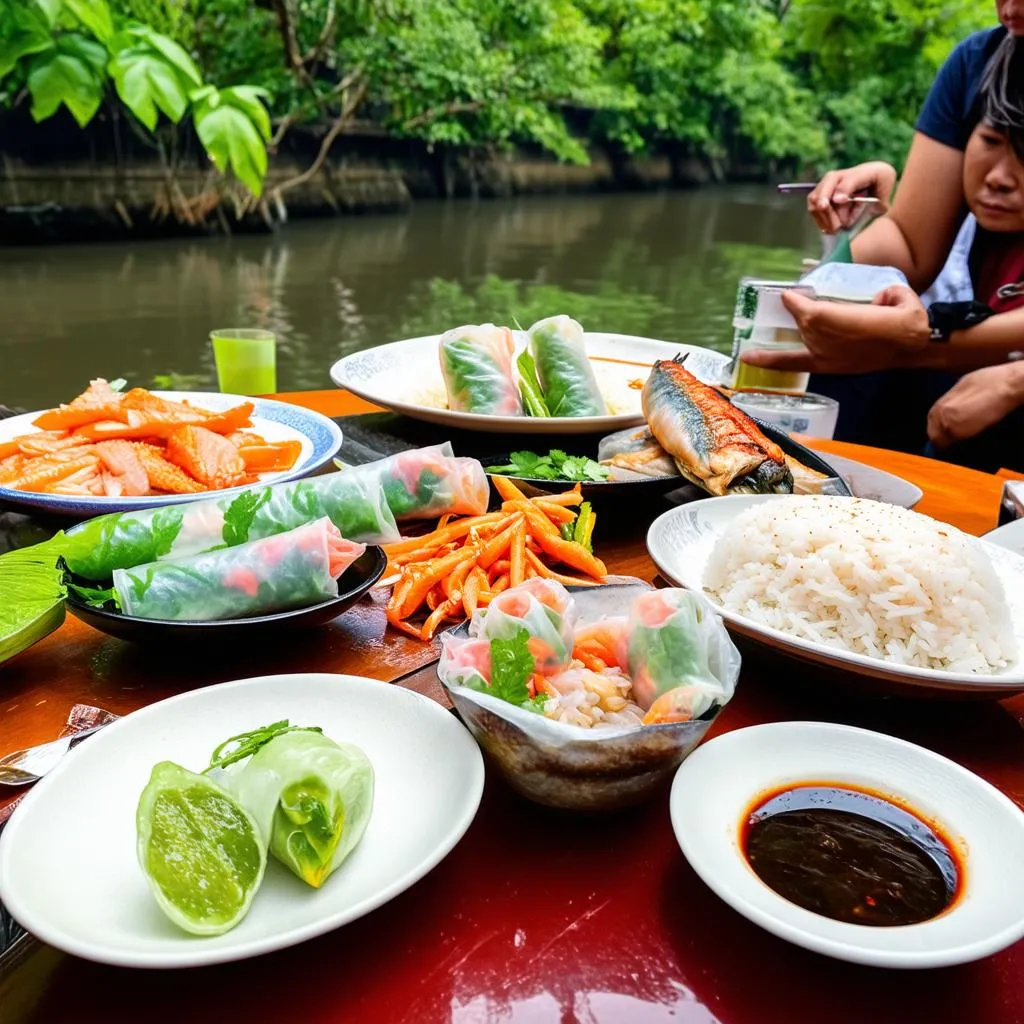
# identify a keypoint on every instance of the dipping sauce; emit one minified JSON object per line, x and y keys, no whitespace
{"x":850,"y":855}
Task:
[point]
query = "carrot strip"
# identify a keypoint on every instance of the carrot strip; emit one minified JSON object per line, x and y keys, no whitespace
{"x":517,"y":553}
{"x":574,"y":555}
{"x":476,"y":581}
{"x":556,"y":513}
{"x":439,"y":537}
{"x":422,"y":583}
{"x":439,"y":614}
{"x":500,"y":584}
{"x":573,"y":497}
{"x":499,"y":544}
{"x":507,"y":489}
{"x":550,"y":574}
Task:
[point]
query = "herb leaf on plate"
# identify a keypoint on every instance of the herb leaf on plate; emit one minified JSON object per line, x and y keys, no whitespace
{"x":556,"y":465}
{"x":512,"y":665}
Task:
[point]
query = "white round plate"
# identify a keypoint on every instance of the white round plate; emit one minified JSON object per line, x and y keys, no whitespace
{"x":717,"y":785}
{"x":68,"y":868}
{"x":276,"y":421}
{"x":680,"y":543}
{"x":875,"y":484}
{"x":405,"y":376}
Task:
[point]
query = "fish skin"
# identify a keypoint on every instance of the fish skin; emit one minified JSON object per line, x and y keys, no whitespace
{"x":713,"y":443}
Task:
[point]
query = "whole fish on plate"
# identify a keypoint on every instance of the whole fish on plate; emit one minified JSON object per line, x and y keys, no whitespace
{"x":714,"y":444}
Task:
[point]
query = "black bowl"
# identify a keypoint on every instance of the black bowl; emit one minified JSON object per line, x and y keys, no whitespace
{"x":360,"y":576}
{"x":599,"y":492}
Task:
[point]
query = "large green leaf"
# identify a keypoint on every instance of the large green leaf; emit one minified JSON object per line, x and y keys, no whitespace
{"x":23,"y":31}
{"x":249,"y":99}
{"x":94,"y":15}
{"x":50,"y":8}
{"x":147,"y":84}
{"x":170,"y":51}
{"x":87,"y":50}
{"x":57,"y":78}
{"x":232,"y":141}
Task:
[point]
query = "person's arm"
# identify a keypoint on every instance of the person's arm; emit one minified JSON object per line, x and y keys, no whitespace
{"x":975,"y":403}
{"x":917,"y":234}
{"x":989,"y":343}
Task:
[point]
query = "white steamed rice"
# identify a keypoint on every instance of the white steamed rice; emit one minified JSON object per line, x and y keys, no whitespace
{"x":865,"y":577}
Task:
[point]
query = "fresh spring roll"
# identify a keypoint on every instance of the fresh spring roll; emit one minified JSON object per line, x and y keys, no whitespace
{"x":425,"y":483}
{"x":289,"y":570}
{"x":465,"y":661}
{"x":544,"y":609}
{"x":310,"y":797}
{"x":352,"y":500}
{"x":565,"y":374}
{"x":476,"y":362}
{"x":678,"y":646}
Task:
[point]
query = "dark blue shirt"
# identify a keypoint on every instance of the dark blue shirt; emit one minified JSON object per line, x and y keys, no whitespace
{"x":949,"y":114}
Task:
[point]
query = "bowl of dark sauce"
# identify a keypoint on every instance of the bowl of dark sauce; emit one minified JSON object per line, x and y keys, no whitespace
{"x":853,"y":844}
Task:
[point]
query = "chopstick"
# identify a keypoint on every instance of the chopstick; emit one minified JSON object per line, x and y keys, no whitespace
{"x":809,"y":186}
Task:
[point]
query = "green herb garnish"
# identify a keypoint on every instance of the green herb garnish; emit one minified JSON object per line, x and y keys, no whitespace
{"x":247,"y":743}
{"x":529,"y":387}
{"x":512,"y":665}
{"x":94,"y":597}
{"x":556,"y":465}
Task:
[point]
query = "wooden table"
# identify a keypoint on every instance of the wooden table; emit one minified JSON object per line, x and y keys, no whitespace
{"x":536,"y":915}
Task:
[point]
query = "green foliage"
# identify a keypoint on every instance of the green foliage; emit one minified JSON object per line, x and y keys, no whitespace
{"x":67,"y":53}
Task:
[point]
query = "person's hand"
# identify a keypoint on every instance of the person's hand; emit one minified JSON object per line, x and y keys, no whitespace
{"x":976,"y":402}
{"x":829,"y":204}
{"x":847,"y":338}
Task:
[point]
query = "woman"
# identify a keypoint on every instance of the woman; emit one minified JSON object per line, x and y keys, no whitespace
{"x":895,"y":332}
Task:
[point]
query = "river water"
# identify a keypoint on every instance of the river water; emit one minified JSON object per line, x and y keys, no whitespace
{"x":664,"y":265}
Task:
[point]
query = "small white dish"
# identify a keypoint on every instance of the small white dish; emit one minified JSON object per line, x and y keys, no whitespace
{"x":405,"y":376}
{"x":68,"y":867}
{"x":868,"y":482}
{"x":681,"y":541}
{"x":319,"y":436}
{"x":715,"y":788}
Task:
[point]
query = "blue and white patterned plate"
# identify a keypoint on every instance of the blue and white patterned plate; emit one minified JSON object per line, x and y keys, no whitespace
{"x":405,"y":376}
{"x":275,"y":421}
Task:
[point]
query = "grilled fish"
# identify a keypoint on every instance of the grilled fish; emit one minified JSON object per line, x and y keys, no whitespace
{"x":714,"y":444}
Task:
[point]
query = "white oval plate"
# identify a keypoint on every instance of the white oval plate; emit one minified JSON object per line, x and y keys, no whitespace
{"x":276,"y":421}
{"x":405,"y":376}
{"x":68,"y":868}
{"x":680,"y":543}
{"x":868,"y":482}
{"x":716,"y":786}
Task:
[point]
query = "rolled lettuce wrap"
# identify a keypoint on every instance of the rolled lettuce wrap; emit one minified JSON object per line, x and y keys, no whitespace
{"x":289,"y":570}
{"x":476,"y":362}
{"x":565,"y":374}
{"x":425,"y":483}
{"x":681,"y":659}
{"x":544,"y":609}
{"x":311,"y":798}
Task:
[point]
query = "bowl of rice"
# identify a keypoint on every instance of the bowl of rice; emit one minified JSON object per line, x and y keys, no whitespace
{"x":855,"y":585}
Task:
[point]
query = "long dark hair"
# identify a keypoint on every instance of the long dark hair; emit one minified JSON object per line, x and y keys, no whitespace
{"x":1001,"y":94}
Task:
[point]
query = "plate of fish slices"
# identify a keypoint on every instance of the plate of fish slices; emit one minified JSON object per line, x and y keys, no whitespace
{"x":554,"y":378}
{"x":909,"y":604}
{"x":111,"y":452}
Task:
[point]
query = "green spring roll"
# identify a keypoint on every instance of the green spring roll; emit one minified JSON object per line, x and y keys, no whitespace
{"x":273,"y":574}
{"x":476,"y":362}
{"x":564,"y":371}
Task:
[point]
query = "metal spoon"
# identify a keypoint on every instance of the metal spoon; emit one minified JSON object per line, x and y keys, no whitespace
{"x":24,"y":767}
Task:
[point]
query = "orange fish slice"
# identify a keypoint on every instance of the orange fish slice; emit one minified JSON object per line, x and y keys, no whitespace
{"x":271,"y":458}
{"x":210,"y":458}
{"x":87,"y":481}
{"x":123,"y":471}
{"x":15,"y":445}
{"x":245,"y":439}
{"x":164,"y":475}
{"x":48,"y":469}
{"x":230,"y":420}
{"x":97,"y":402}
{"x":11,"y":467}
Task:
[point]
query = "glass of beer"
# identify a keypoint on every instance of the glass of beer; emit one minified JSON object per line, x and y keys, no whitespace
{"x":762,"y":322}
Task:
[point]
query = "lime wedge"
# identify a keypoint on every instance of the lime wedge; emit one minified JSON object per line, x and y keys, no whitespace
{"x":200,"y":849}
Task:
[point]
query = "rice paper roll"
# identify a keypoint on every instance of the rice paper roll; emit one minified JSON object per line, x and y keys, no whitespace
{"x":465,"y":661}
{"x":311,"y":799}
{"x":353,"y":500}
{"x":544,"y":609}
{"x":676,"y":642}
{"x":289,"y":570}
{"x":565,"y":374}
{"x":476,"y":363}
{"x":425,"y":483}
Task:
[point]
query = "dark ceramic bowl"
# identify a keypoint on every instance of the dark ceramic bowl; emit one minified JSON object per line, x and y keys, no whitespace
{"x":543,"y":761}
{"x":352,"y":585}
{"x":639,"y":489}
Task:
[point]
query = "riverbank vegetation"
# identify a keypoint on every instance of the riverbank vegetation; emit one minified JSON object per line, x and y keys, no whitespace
{"x":779,"y":85}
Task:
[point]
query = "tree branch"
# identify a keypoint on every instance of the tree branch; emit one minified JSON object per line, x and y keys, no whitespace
{"x":296,"y":115}
{"x":459,"y":107}
{"x":349,"y":108}
{"x":290,"y":40}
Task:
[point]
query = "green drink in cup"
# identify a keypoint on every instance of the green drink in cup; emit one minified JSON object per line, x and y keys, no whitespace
{"x":246,"y":361}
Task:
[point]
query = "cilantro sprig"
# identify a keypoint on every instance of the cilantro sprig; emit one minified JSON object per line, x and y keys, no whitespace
{"x":512,"y":665}
{"x":556,"y":465}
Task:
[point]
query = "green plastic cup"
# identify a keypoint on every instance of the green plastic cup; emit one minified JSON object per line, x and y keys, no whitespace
{"x":246,"y":361}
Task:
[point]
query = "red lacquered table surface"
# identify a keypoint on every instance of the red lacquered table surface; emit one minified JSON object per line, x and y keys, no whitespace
{"x":536,"y":916}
